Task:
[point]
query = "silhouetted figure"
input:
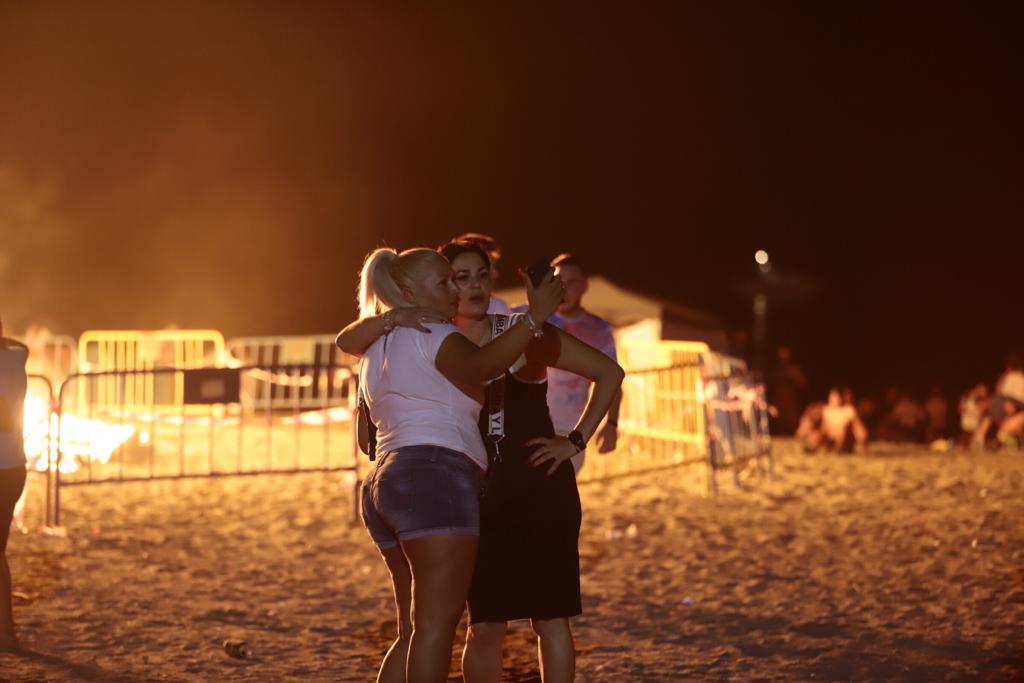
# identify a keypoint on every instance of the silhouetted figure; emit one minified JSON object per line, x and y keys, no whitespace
{"x":1011,"y":429}
{"x":973,"y":410}
{"x":867,"y":409}
{"x":1007,"y":400}
{"x":839,"y":429}
{"x":905,"y":421}
{"x":1009,"y":388}
{"x":739,"y":344}
{"x":808,"y":431}
{"x":786,"y":384}
{"x":13,"y":385}
{"x":936,"y":409}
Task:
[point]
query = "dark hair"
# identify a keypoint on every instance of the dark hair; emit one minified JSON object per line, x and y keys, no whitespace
{"x":568,"y":259}
{"x":459,"y":246}
{"x":485,"y":242}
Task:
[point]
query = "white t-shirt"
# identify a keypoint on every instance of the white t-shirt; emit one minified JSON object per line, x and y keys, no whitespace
{"x":13,"y":383}
{"x":1011,"y":384}
{"x":568,"y":392}
{"x":411,"y":402}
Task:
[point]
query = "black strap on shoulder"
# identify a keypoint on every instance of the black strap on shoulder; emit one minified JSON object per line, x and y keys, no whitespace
{"x":496,"y":394}
{"x":371,"y":429}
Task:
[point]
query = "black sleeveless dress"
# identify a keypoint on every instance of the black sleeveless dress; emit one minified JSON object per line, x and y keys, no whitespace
{"x":528,"y":564}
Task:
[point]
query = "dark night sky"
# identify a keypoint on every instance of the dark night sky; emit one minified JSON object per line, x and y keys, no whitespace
{"x":228,"y":164}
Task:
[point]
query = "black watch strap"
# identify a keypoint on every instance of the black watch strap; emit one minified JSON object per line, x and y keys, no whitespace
{"x":577,"y":440}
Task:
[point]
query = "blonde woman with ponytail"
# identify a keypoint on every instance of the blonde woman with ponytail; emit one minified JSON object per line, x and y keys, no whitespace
{"x":424,"y":392}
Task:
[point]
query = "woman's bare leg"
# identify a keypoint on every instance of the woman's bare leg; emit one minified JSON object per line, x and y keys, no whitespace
{"x":481,"y":659}
{"x":442,"y":567}
{"x":981,"y":434}
{"x":555,"y":650}
{"x":813,"y":441}
{"x":392,"y":669}
{"x":1012,"y":426}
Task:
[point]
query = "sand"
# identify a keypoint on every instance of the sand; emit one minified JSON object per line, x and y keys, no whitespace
{"x":900,"y":565}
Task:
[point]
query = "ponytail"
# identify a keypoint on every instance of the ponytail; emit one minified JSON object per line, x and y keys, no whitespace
{"x":385,"y":272}
{"x":378,"y":291}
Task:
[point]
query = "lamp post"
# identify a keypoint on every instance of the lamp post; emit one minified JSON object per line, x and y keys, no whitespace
{"x":764,"y":266}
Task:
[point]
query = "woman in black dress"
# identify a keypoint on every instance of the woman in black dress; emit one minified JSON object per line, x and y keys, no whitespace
{"x":528,"y":561}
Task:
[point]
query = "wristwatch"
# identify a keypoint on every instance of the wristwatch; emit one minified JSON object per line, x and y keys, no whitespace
{"x":577,"y":440}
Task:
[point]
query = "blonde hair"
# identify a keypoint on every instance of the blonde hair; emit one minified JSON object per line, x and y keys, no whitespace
{"x":386,"y":272}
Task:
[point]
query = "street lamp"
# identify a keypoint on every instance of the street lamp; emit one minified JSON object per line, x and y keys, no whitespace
{"x":762,"y":260}
{"x":764,"y":267}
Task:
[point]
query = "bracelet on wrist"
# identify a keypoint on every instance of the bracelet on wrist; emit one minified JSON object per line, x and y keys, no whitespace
{"x":389,"y":321}
{"x":536,"y":330}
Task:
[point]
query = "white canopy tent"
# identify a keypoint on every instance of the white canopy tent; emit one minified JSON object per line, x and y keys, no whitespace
{"x":637,"y":317}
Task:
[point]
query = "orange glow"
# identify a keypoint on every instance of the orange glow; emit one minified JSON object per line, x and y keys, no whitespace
{"x":81,"y":439}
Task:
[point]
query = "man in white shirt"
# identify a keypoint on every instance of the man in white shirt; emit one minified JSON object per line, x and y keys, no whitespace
{"x":567,"y":392}
{"x":1011,"y":383}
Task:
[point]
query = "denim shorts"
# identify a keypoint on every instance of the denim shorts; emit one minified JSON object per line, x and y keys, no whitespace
{"x":418,"y":491}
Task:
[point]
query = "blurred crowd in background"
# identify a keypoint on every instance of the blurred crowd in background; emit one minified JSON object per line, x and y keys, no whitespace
{"x":988,"y":416}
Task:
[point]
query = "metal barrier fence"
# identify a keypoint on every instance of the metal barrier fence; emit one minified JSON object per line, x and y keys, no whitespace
{"x":661,"y":423}
{"x":53,"y":356}
{"x":213,"y":431}
{"x":103,"y":352}
{"x":665,"y":418}
{"x":332,"y":369}
{"x":737,"y":425}
{"x":636,"y":355}
{"x":276,"y":417}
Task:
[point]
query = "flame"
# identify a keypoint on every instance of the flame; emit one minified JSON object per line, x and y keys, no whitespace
{"x":81,"y":439}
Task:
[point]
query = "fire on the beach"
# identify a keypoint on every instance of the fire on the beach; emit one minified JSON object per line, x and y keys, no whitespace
{"x":81,"y":438}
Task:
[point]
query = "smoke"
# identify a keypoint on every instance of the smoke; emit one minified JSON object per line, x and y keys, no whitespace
{"x":30,"y":228}
{"x":145,"y":185}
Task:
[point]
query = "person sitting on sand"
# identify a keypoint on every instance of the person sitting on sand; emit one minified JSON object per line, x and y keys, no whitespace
{"x":840,"y":428}
{"x":808,"y":431}
{"x":906,"y":420}
{"x":13,"y":385}
{"x":1011,"y":429}
{"x":973,"y":408}
{"x":937,"y":410}
{"x":424,"y":392}
{"x":1007,"y":400}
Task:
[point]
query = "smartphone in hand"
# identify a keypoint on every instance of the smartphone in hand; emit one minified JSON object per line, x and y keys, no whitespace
{"x":537,"y":271}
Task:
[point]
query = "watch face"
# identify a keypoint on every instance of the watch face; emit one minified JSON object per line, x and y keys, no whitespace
{"x":577,"y":440}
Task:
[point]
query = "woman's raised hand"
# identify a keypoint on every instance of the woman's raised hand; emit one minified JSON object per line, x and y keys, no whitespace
{"x":545,"y":297}
{"x":416,"y":316}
